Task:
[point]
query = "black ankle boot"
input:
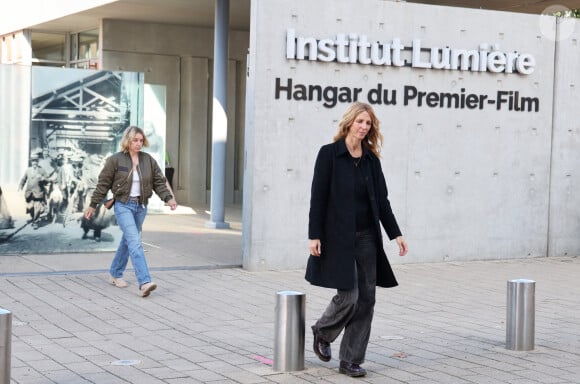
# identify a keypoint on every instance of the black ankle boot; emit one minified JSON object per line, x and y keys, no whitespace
{"x":351,"y":369}
{"x":321,"y":347}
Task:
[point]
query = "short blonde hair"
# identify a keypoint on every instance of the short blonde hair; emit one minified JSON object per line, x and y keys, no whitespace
{"x":373,"y":141}
{"x":129,"y":135}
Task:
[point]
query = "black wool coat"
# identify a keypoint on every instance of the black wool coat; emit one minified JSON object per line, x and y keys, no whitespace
{"x":332,"y":217}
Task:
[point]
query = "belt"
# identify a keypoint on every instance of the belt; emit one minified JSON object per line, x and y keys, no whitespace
{"x":136,"y":199}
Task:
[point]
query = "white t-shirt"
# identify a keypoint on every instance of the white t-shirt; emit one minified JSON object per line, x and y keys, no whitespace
{"x":135,"y":185}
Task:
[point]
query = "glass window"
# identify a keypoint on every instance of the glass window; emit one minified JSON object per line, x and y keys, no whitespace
{"x":84,"y":49}
{"x":48,"y":47}
{"x":88,"y":44}
{"x":74,"y":47}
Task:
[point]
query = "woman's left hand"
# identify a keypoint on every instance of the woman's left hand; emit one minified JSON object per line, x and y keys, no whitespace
{"x":403,"y":247}
{"x":89,"y":213}
{"x":172,"y":204}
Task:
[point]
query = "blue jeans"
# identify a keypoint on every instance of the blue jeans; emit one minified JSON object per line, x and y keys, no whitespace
{"x":352,"y":310}
{"x":130,"y":218}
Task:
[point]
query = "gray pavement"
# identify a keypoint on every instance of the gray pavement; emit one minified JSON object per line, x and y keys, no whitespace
{"x":212,"y":322}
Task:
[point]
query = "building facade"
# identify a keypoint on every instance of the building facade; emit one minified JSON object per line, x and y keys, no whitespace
{"x":477,"y":109}
{"x":175,"y":50}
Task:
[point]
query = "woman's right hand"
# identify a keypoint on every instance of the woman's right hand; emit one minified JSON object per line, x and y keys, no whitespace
{"x":315,"y":247}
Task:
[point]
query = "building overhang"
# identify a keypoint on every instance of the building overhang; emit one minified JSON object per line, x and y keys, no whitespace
{"x":75,"y":16}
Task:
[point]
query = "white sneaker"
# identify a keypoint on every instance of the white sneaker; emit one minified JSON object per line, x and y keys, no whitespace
{"x":118,"y":282}
{"x":147,"y":288}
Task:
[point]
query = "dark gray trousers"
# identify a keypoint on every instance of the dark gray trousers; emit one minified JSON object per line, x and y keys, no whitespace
{"x":352,"y":310}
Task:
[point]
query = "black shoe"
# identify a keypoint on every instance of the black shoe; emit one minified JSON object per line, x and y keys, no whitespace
{"x":321,"y":348}
{"x":351,"y":369}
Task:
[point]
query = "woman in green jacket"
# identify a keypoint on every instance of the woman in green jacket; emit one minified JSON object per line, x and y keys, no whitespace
{"x":132,"y":176}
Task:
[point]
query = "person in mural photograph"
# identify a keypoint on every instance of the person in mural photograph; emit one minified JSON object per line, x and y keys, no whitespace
{"x":34,"y":184}
{"x":63,"y":181}
{"x":6,"y":221}
{"x":349,"y":202}
{"x":102,"y":217}
{"x":132,"y":176}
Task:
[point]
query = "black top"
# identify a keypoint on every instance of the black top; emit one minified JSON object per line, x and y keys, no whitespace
{"x":361,"y":199}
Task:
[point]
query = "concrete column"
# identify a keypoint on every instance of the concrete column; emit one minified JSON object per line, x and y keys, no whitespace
{"x":219,"y":116}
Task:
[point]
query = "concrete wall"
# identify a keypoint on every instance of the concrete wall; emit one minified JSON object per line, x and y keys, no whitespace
{"x":180,"y":58}
{"x":15,"y":92}
{"x":564,"y":228}
{"x":465,"y":184}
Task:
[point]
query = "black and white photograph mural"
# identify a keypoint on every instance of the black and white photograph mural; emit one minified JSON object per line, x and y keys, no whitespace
{"x":77,"y":118}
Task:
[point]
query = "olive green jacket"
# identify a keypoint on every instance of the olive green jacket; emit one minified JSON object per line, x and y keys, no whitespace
{"x":117,"y":173}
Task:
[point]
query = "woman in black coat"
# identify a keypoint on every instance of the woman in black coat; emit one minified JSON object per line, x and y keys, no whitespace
{"x":348,"y":204}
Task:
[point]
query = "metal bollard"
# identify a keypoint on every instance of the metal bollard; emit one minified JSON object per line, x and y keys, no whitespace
{"x":289,"y":332}
{"x":5,"y":345}
{"x":520,"y":326}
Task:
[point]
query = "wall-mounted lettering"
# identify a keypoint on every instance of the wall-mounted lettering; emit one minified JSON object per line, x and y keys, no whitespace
{"x":330,"y":96}
{"x":353,"y":48}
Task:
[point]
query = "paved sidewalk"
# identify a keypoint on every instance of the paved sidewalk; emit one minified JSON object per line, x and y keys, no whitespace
{"x":172,"y":240}
{"x":205,"y":323}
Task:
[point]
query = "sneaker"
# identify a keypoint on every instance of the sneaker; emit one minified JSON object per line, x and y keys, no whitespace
{"x":118,"y":282}
{"x":147,"y":288}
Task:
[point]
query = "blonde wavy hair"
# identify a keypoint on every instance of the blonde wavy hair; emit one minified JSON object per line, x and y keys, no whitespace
{"x":129,"y":135}
{"x":373,"y":141}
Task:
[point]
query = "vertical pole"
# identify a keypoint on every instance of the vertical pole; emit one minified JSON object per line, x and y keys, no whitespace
{"x":520,"y":324}
{"x":289,"y":332}
{"x":5,"y":345}
{"x":219,"y":115}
